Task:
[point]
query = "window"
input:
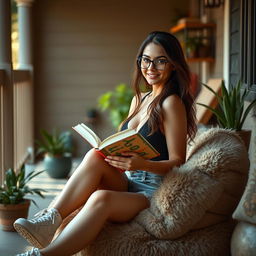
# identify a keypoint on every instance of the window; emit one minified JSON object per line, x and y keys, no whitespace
{"x":248,"y":43}
{"x":242,"y":44}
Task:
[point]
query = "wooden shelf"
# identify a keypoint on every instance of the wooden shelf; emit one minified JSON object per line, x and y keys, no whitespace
{"x":191,"y":25}
{"x":197,"y":40}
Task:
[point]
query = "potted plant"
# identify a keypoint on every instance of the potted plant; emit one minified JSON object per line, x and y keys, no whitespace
{"x":117,"y":103}
{"x":13,"y":204}
{"x":192,"y":47}
{"x":232,"y":113}
{"x":57,"y":153}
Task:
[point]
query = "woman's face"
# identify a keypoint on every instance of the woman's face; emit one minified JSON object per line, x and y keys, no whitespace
{"x":159,"y":71}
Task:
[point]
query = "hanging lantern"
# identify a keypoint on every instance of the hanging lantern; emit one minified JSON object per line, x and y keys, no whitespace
{"x":213,"y":3}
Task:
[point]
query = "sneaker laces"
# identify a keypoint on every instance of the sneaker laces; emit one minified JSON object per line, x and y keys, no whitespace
{"x":46,"y":216}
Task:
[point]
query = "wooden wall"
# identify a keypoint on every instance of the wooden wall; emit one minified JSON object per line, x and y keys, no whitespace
{"x":82,"y":48}
{"x":216,"y":68}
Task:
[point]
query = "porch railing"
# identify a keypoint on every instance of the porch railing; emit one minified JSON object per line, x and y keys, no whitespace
{"x":23,"y":116}
{"x":1,"y":125}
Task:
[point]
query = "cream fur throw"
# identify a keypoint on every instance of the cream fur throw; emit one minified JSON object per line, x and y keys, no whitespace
{"x":190,"y":212}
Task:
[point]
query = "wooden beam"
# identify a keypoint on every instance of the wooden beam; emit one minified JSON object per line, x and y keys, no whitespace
{"x":206,"y":97}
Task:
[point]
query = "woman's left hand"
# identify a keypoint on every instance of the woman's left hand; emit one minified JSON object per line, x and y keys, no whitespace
{"x":129,"y":161}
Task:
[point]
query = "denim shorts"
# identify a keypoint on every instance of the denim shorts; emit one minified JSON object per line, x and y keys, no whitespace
{"x":143,"y":182}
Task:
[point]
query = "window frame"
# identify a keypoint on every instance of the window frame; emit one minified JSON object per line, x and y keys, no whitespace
{"x":247,"y":46}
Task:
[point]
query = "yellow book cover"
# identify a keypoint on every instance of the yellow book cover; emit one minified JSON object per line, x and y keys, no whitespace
{"x":123,"y":141}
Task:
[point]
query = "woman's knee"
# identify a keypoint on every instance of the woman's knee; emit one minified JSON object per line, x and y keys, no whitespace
{"x":93,"y":154}
{"x":92,"y":157}
{"x":100,"y":198}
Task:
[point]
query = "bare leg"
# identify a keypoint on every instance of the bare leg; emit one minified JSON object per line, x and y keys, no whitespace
{"x":91,"y":174}
{"x":102,"y":205}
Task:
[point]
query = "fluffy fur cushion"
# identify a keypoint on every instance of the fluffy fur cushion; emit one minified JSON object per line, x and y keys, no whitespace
{"x":190,"y":212}
{"x":191,"y":196}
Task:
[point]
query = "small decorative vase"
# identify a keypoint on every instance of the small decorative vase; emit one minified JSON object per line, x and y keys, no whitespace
{"x":58,"y":167}
{"x":10,"y":212}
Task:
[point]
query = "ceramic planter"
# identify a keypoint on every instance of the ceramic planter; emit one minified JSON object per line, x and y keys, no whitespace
{"x":58,"y":167}
{"x":245,"y":135}
{"x":10,"y":212}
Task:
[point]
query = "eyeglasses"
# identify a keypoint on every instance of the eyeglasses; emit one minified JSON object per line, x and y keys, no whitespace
{"x":159,"y":63}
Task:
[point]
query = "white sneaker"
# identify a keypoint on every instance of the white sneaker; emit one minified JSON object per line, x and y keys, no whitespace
{"x":39,"y":231}
{"x":32,"y":252}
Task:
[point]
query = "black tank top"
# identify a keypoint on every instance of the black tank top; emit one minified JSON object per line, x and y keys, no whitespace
{"x":157,"y":139}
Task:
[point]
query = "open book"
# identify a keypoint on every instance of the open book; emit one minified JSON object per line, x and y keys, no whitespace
{"x":124,"y":141}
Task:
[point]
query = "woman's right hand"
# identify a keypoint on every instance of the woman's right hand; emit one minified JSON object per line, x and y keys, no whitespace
{"x":129,"y":161}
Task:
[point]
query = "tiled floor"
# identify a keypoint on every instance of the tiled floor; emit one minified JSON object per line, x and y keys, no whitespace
{"x":10,"y":242}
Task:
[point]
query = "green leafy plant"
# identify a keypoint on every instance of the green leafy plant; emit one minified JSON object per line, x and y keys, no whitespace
{"x":231,"y":113}
{"x":54,"y":144}
{"x":117,"y":103}
{"x":192,"y":45}
{"x":15,"y":186}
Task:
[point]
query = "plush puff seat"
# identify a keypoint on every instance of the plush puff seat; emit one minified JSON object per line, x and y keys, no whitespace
{"x":190,"y":214}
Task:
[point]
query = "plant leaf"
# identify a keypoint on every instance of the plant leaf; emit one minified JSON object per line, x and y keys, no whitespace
{"x":215,"y":111}
{"x":31,"y":176}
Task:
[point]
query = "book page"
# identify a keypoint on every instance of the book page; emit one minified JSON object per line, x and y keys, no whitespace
{"x":117,"y":136}
{"x":88,"y":135}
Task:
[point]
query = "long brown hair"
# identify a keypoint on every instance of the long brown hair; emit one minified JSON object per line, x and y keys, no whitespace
{"x":178,"y":82}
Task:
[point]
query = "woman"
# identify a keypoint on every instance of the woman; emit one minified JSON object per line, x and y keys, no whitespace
{"x":165,"y":116}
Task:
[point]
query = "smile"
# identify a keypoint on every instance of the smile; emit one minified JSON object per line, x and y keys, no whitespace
{"x":152,"y":76}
